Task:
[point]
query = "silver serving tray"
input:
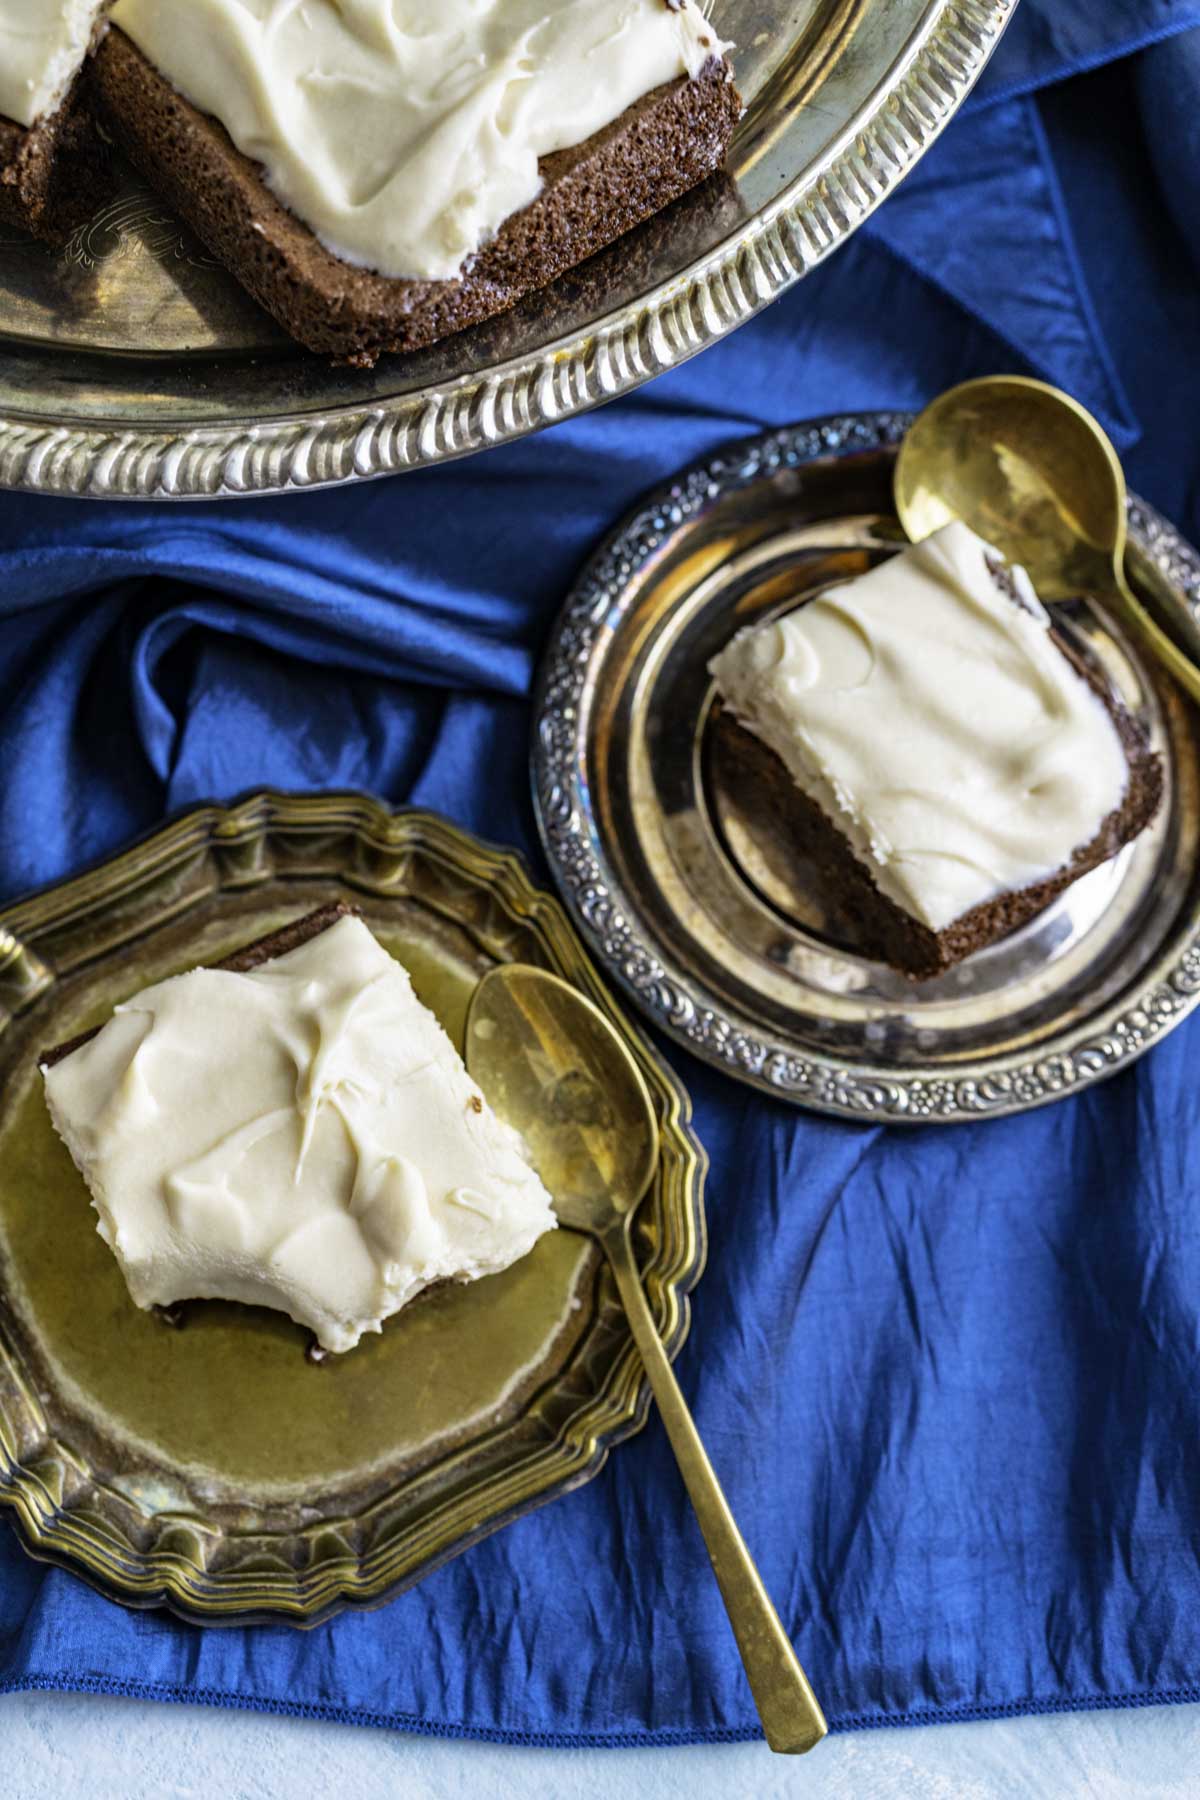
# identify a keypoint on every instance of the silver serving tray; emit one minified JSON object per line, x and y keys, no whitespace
{"x":132,"y":367}
{"x":687,"y":898}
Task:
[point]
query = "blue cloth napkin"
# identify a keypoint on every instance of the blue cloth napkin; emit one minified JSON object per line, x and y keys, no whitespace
{"x":950,"y":1379}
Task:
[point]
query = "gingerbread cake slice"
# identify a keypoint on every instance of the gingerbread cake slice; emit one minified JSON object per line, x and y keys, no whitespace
{"x":53,"y":166}
{"x":293,"y":1129}
{"x":380,"y":177}
{"x":934,"y":749}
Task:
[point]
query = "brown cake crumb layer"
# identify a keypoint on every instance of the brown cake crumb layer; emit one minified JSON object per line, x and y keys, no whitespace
{"x":55,"y":174}
{"x":656,"y":150}
{"x":880,"y":927}
{"x":250,"y":956}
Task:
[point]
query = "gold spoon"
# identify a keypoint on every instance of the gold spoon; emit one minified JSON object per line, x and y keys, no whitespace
{"x":554,"y":1068}
{"x":1031,"y":471}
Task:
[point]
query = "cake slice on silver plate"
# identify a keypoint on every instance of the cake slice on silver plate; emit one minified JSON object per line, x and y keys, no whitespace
{"x":935,"y":749}
{"x":293,"y":1129}
{"x":380,"y":175}
{"x":53,"y":168}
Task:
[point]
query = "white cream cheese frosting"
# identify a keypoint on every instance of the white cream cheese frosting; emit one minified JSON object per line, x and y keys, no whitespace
{"x":42,"y":47}
{"x":404,"y":132}
{"x":303,"y":1136}
{"x":935,"y":722}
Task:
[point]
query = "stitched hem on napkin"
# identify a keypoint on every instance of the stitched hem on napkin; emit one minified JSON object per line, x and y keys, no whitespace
{"x":582,"y":1740}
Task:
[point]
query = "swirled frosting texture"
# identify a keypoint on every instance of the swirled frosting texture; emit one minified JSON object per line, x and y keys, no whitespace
{"x":404,"y":132}
{"x":304,"y":1136}
{"x":931,"y":716}
{"x":42,"y":47}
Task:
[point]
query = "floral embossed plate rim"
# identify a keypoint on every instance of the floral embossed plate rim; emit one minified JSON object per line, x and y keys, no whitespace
{"x":677,"y":891}
{"x":87,"y":1478}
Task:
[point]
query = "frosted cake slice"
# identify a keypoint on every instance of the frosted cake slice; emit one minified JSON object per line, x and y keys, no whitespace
{"x":381,"y":175}
{"x":53,"y":168}
{"x":934,"y":749}
{"x":293,"y":1129}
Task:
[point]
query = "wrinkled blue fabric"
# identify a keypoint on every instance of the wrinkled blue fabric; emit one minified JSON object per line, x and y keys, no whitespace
{"x":949,"y":1378}
{"x":1051,"y":39}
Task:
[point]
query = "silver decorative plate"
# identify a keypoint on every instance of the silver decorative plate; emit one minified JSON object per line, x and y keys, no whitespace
{"x":679,"y":887}
{"x":131,"y":366}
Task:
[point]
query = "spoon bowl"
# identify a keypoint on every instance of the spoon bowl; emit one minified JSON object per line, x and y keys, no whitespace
{"x":1030,"y":470}
{"x":554,"y":1069}
{"x":550,"y":1063}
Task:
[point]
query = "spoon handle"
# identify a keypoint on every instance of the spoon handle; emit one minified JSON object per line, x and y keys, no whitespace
{"x":791,"y":1715}
{"x":1176,"y":661}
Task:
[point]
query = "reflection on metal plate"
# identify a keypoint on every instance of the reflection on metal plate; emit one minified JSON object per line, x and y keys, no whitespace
{"x":213,"y":1467}
{"x":695,"y":901}
{"x":131,"y":366}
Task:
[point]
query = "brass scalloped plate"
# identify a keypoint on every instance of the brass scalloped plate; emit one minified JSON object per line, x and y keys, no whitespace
{"x":690,"y":899}
{"x":213,"y":1468}
{"x":131,"y":367}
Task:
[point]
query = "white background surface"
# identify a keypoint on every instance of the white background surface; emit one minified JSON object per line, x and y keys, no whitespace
{"x":68,"y":1747}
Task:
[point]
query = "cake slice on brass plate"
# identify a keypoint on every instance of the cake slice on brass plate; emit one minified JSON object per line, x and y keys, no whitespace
{"x":935,"y":749}
{"x":52,"y":165}
{"x":378,"y":175}
{"x":292,"y":1129}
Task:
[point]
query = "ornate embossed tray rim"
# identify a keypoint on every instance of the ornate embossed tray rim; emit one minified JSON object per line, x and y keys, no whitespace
{"x":676,"y":1001}
{"x":49,"y":449}
{"x":68,"y":1516}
